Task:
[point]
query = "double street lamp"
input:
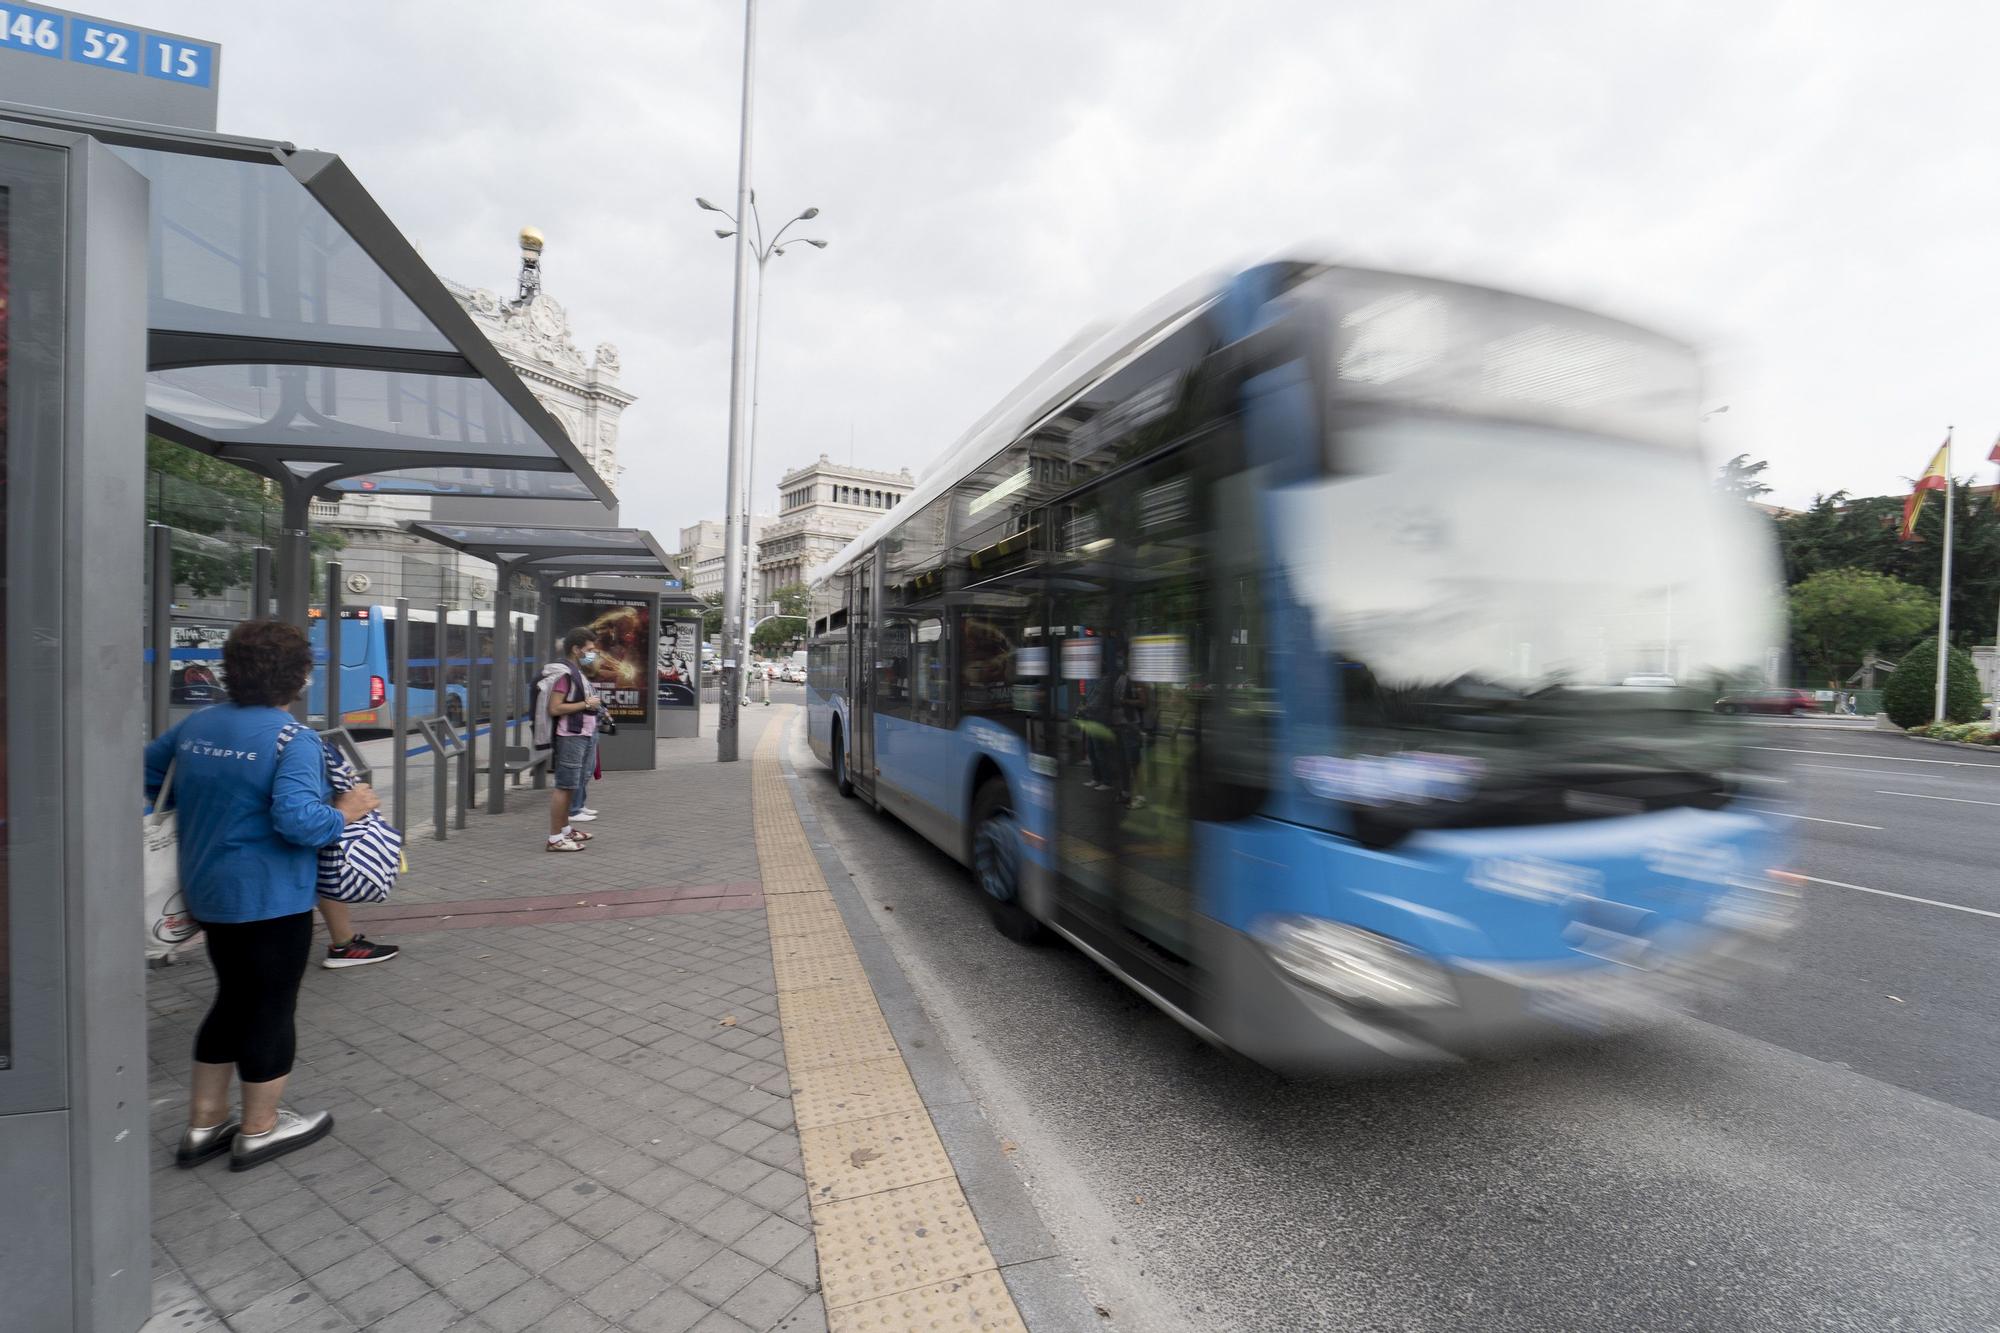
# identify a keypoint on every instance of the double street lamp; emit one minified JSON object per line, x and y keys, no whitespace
{"x":761,"y":250}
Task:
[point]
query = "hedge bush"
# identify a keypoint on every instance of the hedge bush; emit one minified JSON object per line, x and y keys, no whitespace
{"x":1975,"y":733}
{"x":1910,"y":695}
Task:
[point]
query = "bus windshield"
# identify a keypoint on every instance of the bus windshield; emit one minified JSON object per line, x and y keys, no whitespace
{"x":1526,"y":598}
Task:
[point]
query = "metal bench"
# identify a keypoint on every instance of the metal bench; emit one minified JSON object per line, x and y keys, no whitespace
{"x":535,"y":763}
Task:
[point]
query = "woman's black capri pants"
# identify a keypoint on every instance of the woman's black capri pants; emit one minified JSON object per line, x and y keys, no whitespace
{"x":258,"y":967}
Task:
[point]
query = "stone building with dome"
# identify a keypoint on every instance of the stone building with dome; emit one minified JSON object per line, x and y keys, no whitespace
{"x":380,"y":562}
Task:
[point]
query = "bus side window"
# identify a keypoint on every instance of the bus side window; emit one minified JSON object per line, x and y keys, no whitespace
{"x":927,"y":671}
{"x":892,"y":668}
{"x":1239,"y":719}
{"x":423,"y":648}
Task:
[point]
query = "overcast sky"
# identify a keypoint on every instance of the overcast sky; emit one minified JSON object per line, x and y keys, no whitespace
{"x":1807,"y":190}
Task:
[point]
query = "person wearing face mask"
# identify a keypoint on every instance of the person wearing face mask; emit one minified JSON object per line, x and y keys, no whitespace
{"x":571,"y":708}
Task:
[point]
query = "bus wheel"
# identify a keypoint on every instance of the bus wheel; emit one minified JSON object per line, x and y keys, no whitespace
{"x":996,"y":862}
{"x":454,"y":711}
{"x":840,"y":780}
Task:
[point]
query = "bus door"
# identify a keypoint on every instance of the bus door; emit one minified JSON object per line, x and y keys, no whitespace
{"x":865,"y":657}
{"x":1125,"y":594}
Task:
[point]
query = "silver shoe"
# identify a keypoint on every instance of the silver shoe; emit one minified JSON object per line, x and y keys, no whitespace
{"x":292,"y":1132}
{"x":198,"y":1145}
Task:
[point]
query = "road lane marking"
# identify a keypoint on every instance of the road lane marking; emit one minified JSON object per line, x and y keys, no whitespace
{"x":1879,"y":758}
{"x":1889,"y":772}
{"x":1846,"y":823}
{"x":1920,"y":796}
{"x":1906,"y":897}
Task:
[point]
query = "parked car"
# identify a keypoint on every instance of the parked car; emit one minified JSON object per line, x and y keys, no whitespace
{"x":1782,"y":702}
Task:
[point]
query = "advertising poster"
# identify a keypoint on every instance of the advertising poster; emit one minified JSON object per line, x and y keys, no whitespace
{"x":620,"y":622}
{"x":197,"y":664}
{"x":1082,"y":659}
{"x":680,"y":658}
{"x":1160,"y":659}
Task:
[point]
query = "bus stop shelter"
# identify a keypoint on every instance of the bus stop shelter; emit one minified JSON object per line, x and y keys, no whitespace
{"x":548,"y":553}
{"x":250,"y":300}
{"x":294,"y":331}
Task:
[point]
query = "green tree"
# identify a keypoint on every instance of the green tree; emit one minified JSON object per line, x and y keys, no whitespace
{"x":219,"y":512}
{"x":794,"y":604}
{"x":1910,"y":696}
{"x":1839,"y":532}
{"x":1742,"y":478}
{"x":711,"y":619}
{"x":1838,"y":615}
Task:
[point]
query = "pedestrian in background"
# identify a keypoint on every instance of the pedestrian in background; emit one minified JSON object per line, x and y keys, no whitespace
{"x":567,"y":712}
{"x":254,"y":807}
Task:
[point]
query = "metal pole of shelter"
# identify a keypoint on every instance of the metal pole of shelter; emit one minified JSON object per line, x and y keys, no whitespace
{"x":545,"y":625}
{"x":160,"y":626}
{"x":260,"y":582}
{"x":502,"y":692}
{"x":725,"y":732}
{"x":468,"y":771}
{"x":399,"y":710}
{"x":440,"y":697}
{"x":295,"y":565}
{"x":331,"y":682}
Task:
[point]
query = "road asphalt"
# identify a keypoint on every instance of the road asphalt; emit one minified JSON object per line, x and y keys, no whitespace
{"x":1814,"y":1152}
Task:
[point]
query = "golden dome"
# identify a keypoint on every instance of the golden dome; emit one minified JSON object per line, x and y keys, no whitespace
{"x":531,"y":238}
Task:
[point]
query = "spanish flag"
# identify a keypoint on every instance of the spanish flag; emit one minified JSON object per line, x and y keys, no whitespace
{"x":1932,"y":480}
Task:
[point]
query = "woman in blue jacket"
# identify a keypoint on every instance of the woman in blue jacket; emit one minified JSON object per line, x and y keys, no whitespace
{"x":254,"y":808}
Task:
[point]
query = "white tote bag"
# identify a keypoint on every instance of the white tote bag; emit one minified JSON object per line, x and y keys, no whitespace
{"x":167,"y":920}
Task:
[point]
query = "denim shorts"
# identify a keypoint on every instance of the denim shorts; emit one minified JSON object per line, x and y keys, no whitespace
{"x":572,"y":753}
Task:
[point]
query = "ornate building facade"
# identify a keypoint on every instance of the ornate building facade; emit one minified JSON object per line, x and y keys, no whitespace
{"x":821,"y":507}
{"x":380,"y":562}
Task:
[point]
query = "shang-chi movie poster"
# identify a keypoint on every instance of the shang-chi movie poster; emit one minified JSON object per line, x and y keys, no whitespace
{"x":624,"y":671}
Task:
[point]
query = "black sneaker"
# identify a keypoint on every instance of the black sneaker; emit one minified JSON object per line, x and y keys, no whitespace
{"x":358,"y":952}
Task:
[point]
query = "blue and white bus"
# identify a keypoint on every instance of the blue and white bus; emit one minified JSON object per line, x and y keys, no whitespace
{"x":367,"y":649}
{"x":1328,"y":653}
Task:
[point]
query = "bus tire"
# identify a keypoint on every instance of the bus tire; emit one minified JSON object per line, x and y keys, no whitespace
{"x":996,"y":862}
{"x":454,"y":711}
{"x":841,"y":783}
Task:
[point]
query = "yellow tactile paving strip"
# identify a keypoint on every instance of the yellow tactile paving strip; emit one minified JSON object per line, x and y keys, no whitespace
{"x":899,"y":1249}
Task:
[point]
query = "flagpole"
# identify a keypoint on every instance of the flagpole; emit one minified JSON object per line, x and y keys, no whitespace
{"x":1993,"y":662}
{"x":1944,"y":590}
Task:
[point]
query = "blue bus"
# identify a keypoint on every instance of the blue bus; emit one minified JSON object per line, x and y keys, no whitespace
{"x":1328,"y":653}
{"x":367,"y":648}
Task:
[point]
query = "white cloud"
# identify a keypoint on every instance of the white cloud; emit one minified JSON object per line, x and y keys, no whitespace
{"x":1804,"y":189}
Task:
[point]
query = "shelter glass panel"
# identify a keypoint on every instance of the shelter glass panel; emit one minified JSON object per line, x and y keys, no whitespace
{"x":243,"y":248}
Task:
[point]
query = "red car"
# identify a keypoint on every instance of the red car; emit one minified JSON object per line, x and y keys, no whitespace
{"x":1783,"y":702}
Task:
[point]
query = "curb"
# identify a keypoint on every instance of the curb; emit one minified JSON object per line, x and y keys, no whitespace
{"x":1037,"y":1274}
{"x":1963,"y":745}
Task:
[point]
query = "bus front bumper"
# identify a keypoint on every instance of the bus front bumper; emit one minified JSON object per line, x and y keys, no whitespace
{"x":1273,"y":1018}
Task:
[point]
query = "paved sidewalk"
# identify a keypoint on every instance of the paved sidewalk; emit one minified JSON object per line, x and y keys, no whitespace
{"x":570,"y":1105}
{"x":565,"y":1108}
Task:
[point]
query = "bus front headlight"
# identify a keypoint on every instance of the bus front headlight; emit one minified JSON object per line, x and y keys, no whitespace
{"x":1354,"y":965}
{"x":1768,"y":909}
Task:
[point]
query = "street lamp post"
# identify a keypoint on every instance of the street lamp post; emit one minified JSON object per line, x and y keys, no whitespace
{"x":726,"y":728}
{"x":761,"y":250}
